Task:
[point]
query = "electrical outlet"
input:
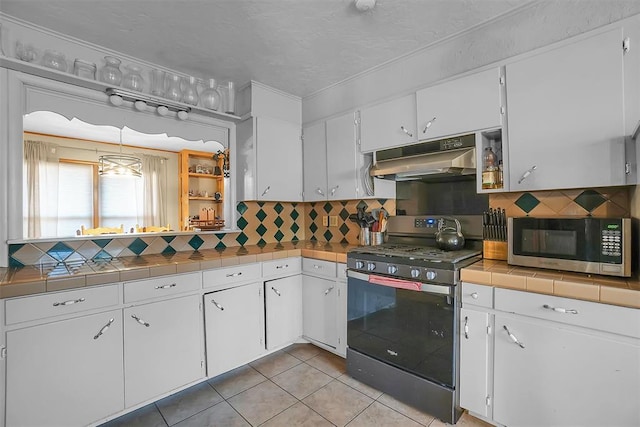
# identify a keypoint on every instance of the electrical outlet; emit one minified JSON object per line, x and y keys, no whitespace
{"x":325,"y":220}
{"x":333,"y":220}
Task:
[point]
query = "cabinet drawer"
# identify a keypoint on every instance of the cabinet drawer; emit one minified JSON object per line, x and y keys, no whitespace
{"x":60,"y":303}
{"x":161,"y":286}
{"x":342,"y":271}
{"x":281,"y":267}
{"x":603,"y":317}
{"x":477,"y":295}
{"x":223,"y":277}
{"x":318,"y":267}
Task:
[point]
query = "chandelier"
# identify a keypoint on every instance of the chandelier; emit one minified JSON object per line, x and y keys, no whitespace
{"x":119,"y":164}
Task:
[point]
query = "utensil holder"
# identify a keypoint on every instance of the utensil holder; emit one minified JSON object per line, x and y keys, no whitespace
{"x":377,"y":238}
{"x":365,"y":236}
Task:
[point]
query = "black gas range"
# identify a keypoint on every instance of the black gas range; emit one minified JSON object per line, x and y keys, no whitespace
{"x":403,"y":313}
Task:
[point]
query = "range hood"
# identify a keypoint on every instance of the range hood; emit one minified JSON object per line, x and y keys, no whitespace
{"x":430,"y":160}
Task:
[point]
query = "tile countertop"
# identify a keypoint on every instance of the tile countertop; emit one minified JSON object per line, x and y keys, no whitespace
{"x":35,"y":279}
{"x":609,"y":290}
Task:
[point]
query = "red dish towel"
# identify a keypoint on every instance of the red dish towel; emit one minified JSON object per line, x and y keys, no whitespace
{"x":395,"y":283}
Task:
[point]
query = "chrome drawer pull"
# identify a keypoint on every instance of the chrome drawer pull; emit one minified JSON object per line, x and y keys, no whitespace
{"x":328,"y":290}
{"x":104,"y":329}
{"x":474,"y":295}
{"x":560,"y":309}
{"x":173,"y":285}
{"x":71,"y":301}
{"x":139,"y":320}
{"x":513,"y":337}
{"x":402,"y":128}
{"x":276,"y":291}
{"x":235,"y":274}
{"x":319,"y":191}
{"x":466,"y":327}
{"x":266,"y":190}
{"x":282,"y":266}
{"x":217,"y":305}
{"x":316,"y":266}
{"x":333,"y":190}
{"x":526,"y":174}
{"x":429,"y":123}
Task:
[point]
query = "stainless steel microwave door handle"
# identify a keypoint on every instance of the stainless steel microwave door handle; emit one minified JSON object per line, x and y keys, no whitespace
{"x":526,"y":174}
{"x":428,"y":125}
{"x":560,"y":309}
{"x":402,"y":128}
{"x":513,"y":337}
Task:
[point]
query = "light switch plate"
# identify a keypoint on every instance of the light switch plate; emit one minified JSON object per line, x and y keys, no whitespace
{"x":333,"y":221}
{"x":325,"y":220}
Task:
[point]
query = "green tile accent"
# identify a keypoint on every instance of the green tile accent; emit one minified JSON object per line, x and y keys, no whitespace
{"x":327,"y":207}
{"x":382,"y":201}
{"x":261,"y":215}
{"x":527,"y":202}
{"x":295,"y":228}
{"x":362,"y":205}
{"x":313,"y":214}
{"x":220,"y":235}
{"x":261,"y":229}
{"x":294,"y":214}
{"x":294,"y":239}
{"x":242,"y":238}
{"x":102,"y":255}
{"x":137,"y":246}
{"x":15,"y":263}
{"x":590,"y":199}
{"x":278,"y":208}
{"x":344,"y":229}
{"x":344,"y":202}
{"x":242,"y":208}
{"x":242,"y":223}
{"x":195,"y":242}
{"x":102,"y":242}
{"x":262,"y":242}
{"x":313,"y":227}
{"x":261,"y":204}
{"x":168,"y":250}
{"x":344,"y":240}
{"x":15,"y":248}
{"x":278,"y":222}
{"x":313,"y":204}
{"x":313,"y":239}
{"x":168,"y":239}
{"x":220,"y":246}
{"x":279,"y":235}
{"x":344,"y":214}
{"x":328,"y":235}
{"x":60,"y":251}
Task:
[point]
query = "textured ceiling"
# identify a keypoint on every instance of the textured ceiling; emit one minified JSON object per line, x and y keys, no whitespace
{"x":298,"y":46}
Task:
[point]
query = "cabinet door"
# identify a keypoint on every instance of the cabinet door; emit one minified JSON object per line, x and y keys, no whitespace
{"x":283,"y":300}
{"x":474,"y":361}
{"x":279,"y":162}
{"x":565,"y":113}
{"x":563,"y":377}
{"x":234,"y":327}
{"x":382,"y":125}
{"x":162,"y":347}
{"x":315,"y":163}
{"x":342,"y":168}
{"x":65,"y":373}
{"x":458,"y":106}
{"x":319,"y":309}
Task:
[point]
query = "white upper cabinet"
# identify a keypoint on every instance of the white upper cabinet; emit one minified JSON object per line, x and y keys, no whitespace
{"x":463,"y":105}
{"x":315,"y":162}
{"x":565,"y":115}
{"x":390,"y":124}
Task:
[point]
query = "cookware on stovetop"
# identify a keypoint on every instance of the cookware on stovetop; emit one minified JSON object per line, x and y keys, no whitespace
{"x":449,"y":238}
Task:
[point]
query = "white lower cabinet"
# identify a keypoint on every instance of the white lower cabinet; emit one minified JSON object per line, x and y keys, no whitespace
{"x":319,"y":299}
{"x":234,"y":327}
{"x":65,"y":373}
{"x":475,"y":346}
{"x":162,"y":347}
{"x":283,"y":309}
{"x":563,"y":377}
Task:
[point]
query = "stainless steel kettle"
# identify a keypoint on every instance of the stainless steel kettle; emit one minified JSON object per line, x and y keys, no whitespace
{"x":449,"y":238}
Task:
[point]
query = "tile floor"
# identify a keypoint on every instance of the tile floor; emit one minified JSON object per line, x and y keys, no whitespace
{"x":301,"y":385}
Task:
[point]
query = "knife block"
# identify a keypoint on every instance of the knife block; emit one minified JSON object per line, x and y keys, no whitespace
{"x":494,"y":250}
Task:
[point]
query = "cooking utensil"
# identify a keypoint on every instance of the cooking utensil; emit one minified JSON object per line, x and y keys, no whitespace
{"x":449,"y":238}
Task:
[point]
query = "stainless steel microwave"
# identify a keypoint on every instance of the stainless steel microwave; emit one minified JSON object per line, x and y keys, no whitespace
{"x":586,"y":245}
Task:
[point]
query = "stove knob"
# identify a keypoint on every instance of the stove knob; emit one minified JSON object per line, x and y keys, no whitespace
{"x":371,"y":266}
{"x":392,"y":269}
{"x":359,"y":265}
{"x":431,"y":274}
{"x":415,"y":273}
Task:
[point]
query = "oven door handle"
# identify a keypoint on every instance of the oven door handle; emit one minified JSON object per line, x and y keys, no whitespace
{"x":400,"y":284}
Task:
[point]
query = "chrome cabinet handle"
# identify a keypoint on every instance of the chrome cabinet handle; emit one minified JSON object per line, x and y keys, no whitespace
{"x":526,"y":174}
{"x":282,"y":266}
{"x":513,"y":337}
{"x":402,"y":128}
{"x":333,"y":190}
{"x":266,"y":190}
{"x":316,"y":266}
{"x":235,"y":274}
{"x":173,"y":285}
{"x":319,"y":191}
{"x":328,"y":290}
{"x":474,"y":295}
{"x":69,"y":302}
{"x":560,"y":309}
{"x":139,"y":320}
{"x":466,"y":327}
{"x":428,"y":125}
{"x":103,"y":330}
{"x":276,"y":291}
{"x":217,"y":305}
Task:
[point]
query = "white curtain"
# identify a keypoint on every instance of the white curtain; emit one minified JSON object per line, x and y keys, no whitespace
{"x":154,"y":175}
{"x":41,"y":182}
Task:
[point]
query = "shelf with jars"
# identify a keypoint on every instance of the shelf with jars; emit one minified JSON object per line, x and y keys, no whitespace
{"x":202,"y":189}
{"x":491,"y":153}
{"x":114,"y":79}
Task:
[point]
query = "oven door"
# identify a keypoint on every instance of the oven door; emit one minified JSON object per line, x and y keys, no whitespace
{"x":413,"y":330}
